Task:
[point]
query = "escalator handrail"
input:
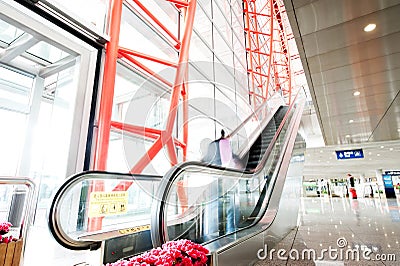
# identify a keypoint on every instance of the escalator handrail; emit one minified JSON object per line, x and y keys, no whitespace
{"x":274,"y":139}
{"x":261,"y":201}
{"x":270,"y":207}
{"x":274,"y":102}
{"x":255,"y":114}
{"x":158,"y":232}
{"x":54,"y":217}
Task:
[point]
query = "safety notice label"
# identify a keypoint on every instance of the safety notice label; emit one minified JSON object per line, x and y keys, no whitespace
{"x":108,"y":203}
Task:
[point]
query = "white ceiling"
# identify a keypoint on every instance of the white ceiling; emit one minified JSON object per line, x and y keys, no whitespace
{"x":322,"y":162}
{"x":339,"y":58}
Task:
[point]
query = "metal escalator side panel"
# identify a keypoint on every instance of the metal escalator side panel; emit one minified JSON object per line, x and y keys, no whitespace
{"x":206,"y":186}
{"x":251,"y":239}
{"x":270,"y":163}
{"x":209,"y":188}
{"x":76,"y":201}
{"x":262,"y":117}
{"x":257,"y":150}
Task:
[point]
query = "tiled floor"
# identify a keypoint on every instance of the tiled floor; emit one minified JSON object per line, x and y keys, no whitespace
{"x":42,"y":249}
{"x":347,"y":227}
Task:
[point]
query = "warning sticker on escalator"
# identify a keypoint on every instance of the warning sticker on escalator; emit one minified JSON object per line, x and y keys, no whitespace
{"x":108,"y":203}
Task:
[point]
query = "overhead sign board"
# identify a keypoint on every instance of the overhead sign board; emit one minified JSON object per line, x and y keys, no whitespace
{"x":395,"y":172}
{"x":349,"y":154}
{"x":389,"y":188}
{"x":387,"y":181}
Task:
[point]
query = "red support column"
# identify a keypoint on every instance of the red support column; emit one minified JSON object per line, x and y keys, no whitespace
{"x":106,"y":102}
{"x":107,"y":93}
{"x":185,"y":107}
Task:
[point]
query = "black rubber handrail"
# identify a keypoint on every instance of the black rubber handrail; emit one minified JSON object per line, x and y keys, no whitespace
{"x":54,"y":217}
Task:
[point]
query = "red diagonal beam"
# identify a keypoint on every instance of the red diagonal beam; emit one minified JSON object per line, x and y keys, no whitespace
{"x":147,"y":57}
{"x":148,"y":13}
{"x":166,"y":135}
{"x":137,"y":130}
{"x":146,"y":69}
{"x":179,"y":3}
{"x":147,"y":132}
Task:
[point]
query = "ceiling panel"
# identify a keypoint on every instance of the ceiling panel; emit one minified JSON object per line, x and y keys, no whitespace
{"x":356,"y":83}
{"x":335,"y":110}
{"x":386,"y":45}
{"x":361,"y":69}
{"x":335,"y":12}
{"x":301,"y":3}
{"x":339,"y":58}
{"x":349,"y":33}
{"x":389,"y":125}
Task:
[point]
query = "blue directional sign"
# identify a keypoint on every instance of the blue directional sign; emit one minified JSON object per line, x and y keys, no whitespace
{"x":389,"y":188}
{"x":349,"y":154}
{"x":387,"y":181}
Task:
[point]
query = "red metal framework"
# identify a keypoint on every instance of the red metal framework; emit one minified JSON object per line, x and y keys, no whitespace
{"x":161,"y":138}
{"x":267,"y":49}
{"x":268,"y":67}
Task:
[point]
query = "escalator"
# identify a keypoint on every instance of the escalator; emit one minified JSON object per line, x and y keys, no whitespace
{"x":234,"y":210}
{"x":259,"y":147}
{"x":222,"y":204}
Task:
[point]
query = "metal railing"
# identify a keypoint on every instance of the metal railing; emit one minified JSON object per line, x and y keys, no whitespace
{"x":71,"y":193}
{"x":23,"y":203}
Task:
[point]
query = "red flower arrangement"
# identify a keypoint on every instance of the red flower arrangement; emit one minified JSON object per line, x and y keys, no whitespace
{"x":177,"y":253}
{"x":4,"y":229}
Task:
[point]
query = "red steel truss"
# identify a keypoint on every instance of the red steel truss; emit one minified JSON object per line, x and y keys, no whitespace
{"x":162,"y":138}
{"x":267,"y":49}
{"x":268,"y":68}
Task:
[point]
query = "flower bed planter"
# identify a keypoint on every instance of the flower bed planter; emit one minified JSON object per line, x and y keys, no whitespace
{"x":10,"y":253}
{"x":174,"y":253}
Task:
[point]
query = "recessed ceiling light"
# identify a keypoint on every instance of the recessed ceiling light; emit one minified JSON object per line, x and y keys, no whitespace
{"x":351,"y":121}
{"x":369,"y":153}
{"x":356,"y":93}
{"x":382,"y":147}
{"x":370,"y":27}
{"x":378,"y":154}
{"x":390,"y":149}
{"x":347,"y":136}
{"x":398,"y":130}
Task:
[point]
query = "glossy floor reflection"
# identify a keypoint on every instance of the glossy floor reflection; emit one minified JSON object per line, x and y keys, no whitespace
{"x":366,"y":228}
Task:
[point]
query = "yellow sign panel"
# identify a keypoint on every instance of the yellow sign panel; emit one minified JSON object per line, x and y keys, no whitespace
{"x":135,"y":229}
{"x":108,"y":203}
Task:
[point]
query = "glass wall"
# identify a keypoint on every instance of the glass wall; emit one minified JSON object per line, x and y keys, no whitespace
{"x":217,"y":91}
{"x":218,"y":94}
{"x":46,"y":84}
{"x":90,"y":13}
